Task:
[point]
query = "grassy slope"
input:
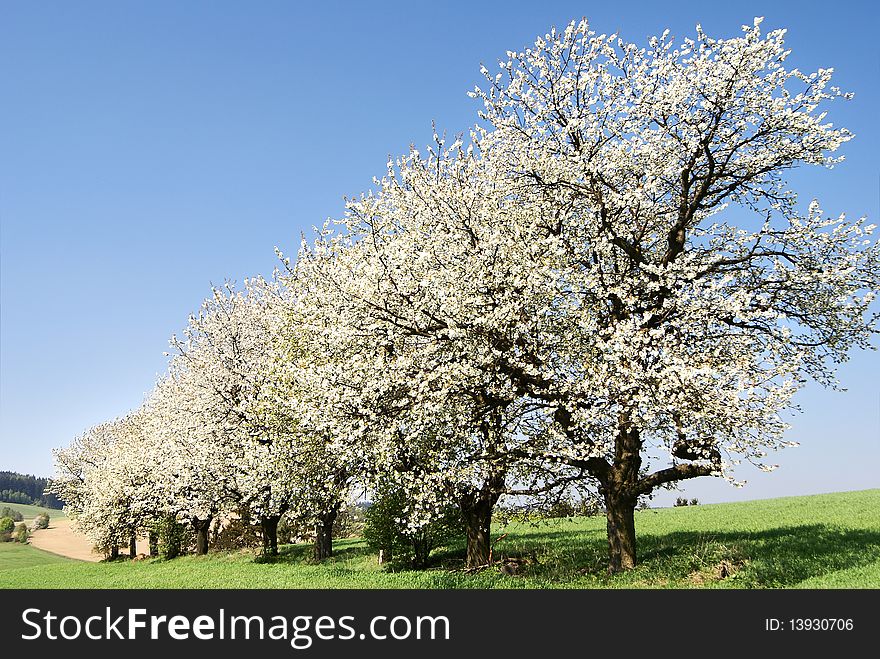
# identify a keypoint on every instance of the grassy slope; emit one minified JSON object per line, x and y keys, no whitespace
{"x":822,"y":541}
{"x":14,"y":556}
{"x":29,"y":512}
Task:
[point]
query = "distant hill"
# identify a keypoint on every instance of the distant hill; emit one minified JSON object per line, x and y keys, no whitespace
{"x":26,"y":489}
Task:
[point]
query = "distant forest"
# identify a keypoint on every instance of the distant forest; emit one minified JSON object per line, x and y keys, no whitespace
{"x":24,"y":488}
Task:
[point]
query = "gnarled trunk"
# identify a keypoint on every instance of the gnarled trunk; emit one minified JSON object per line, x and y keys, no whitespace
{"x":269,"y":525}
{"x":620,"y":513}
{"x":478,"y":523}
{"x":201,"y":527}
{"x":324,"y":534}
{"x":618,"y":488}
{"x":476,"y":510}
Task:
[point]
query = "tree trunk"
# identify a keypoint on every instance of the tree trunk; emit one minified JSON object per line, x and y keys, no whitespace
{"x":324,"y":535}
{"x":620,"y":512}
{"x":132,"y":545}
{"x":421,"y":547}
{"x":476,"y":511}
{"x":154,"y":544}
{"x":114,"y":552}
{"x":270,"y":535}
{"x":620,"y":500}
{"x":201,"y":527}
{"x":478,"y":522}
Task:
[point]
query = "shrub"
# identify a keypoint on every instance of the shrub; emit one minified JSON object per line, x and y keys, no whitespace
{"x":7,"y":525}
{"x":41,"y":521}
{"x":13,"y":514}
{"x":21,"y":533}
{"x":174,"y":538}
{"x":385,"y":530}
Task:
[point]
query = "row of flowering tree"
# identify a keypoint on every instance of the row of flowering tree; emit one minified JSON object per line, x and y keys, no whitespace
{"x":608,"y":284}
{"x":219,"y":433}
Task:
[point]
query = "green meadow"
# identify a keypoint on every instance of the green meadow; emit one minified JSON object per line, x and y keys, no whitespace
{"x":14,"y":556}
{"x":820,"y":541}
{"x":29,"y":512}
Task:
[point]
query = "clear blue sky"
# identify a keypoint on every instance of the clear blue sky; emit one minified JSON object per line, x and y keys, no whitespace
{"x":150,"y":148}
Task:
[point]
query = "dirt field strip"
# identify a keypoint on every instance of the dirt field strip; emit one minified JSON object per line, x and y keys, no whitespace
{"x":60,"y":539}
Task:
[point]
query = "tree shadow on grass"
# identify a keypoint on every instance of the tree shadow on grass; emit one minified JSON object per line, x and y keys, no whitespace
{"x":780,"y":557}
{"x":772,"y":558}
{"x":302,"y":553}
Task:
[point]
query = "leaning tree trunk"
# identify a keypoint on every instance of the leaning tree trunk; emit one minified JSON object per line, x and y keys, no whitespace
{"x":201,"y":527}
{"x":132,"y":545}
{"x":269,"y":526}
{"x":324,"y":534}
{"x":620,"y":513}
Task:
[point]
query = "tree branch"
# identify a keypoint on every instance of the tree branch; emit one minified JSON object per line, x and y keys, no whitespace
{"x":678,"y":472}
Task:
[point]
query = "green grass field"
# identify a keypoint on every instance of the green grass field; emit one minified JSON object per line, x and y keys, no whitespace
{"x":29,"y":512}
{"x":14,"y":556}
{"x":822,"y":541}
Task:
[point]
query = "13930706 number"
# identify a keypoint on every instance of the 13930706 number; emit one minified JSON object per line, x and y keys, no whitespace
{"x":820,"y":624}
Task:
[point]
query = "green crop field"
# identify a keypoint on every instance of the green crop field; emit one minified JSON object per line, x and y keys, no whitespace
{"x":821,"y":541}
{"x":29,"y":512}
